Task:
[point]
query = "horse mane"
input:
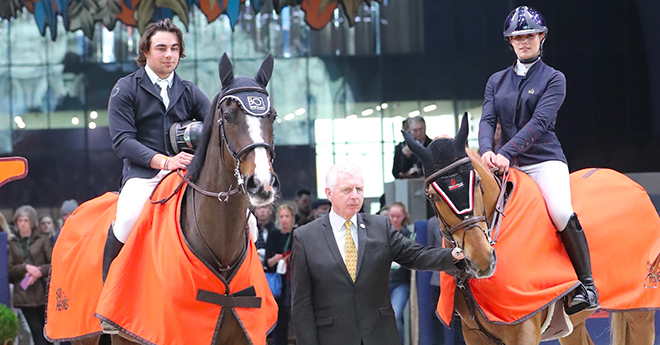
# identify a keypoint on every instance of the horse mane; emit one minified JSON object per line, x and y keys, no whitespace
{"x":195,"y":166}
{"x":476,"y":159}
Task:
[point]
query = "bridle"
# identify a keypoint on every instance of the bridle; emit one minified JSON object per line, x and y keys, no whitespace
{"x":469,"y":220}
{"x":240,"y":178}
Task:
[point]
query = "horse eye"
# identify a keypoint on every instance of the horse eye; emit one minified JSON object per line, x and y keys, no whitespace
{"x":227,"y":116}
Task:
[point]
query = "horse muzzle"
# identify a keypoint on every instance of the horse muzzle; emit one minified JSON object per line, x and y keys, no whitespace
{"x":483,"y":269}
{"x":260,"y":193}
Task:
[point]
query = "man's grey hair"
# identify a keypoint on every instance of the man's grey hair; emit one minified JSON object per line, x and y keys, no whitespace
{"x":345,"y":167}
{"x":416,"y":119}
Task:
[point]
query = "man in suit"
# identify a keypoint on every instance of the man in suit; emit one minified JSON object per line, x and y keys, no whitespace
{"x":340,"y":292}
{"x":142,"y":107}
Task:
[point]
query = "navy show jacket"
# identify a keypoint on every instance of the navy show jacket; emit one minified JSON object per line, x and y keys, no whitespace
{"x":527,"y":108}
{"x":139,"y":122}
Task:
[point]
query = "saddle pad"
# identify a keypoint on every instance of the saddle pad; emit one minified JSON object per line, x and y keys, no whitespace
{"x":533,"y":269}
{"x":158,"y":291}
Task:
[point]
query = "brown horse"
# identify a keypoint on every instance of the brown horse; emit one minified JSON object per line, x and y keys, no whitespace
{"x":231,"y":169}
{"x":449,"y":159}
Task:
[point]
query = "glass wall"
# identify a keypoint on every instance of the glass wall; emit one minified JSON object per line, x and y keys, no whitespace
{"x":66,"y":83}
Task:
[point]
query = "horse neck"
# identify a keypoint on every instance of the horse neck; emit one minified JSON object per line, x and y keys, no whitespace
{"x":491,"y":189}
{"x":221,"y":224}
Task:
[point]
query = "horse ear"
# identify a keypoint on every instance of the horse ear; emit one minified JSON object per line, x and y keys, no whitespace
{"x":225,"y":70}
{"x":461,"y":137}
{"x":265,"y":71}
{"x":420,"y":151}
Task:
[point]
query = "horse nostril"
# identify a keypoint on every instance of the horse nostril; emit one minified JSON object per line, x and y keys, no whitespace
{"x":275,"y":182}
{"x":252,"y":184}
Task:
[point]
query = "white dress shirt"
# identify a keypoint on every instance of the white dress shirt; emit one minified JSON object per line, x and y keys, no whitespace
{"x":155,"y":78}
{"x":339,"y":230}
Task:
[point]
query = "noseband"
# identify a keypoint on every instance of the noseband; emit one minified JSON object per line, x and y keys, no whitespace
{"x":469,"y":220}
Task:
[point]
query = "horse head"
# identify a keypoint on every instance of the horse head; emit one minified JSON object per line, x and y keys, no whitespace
{"x":454,"y":188}
{"x":244,"y":118}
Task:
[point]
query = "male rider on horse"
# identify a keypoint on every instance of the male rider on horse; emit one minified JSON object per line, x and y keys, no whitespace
{"x":143,"y":106}
{"x":525,"y":99}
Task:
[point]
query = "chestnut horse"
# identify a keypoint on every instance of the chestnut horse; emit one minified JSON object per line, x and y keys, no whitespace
{"x":232,"y":168}
{"x":449,"y":159}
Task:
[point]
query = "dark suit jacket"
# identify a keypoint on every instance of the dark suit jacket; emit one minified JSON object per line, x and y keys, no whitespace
{"x":402,"y":163}
{"x":139,"y":122}
{"x":328,"y":308}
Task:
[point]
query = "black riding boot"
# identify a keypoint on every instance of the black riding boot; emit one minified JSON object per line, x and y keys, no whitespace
{"x":586,"y":296}
{"x":110,"y":252}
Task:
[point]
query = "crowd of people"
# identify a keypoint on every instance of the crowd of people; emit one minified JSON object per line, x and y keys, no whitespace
{"x":326,"y":287}
{"x":31,"y":238}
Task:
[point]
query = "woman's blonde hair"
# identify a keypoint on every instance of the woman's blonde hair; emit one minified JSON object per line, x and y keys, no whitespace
{"x":283,"y":207}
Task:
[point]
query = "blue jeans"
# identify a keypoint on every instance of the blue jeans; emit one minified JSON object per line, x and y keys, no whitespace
{"x":399,"y":294}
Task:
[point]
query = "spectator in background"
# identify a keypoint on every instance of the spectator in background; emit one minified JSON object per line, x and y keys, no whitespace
{"x":320,"y":207}
{"x":435,"y":239}
{"x":400,"y":276}
{"x":4,"y":227}
{"x":277,"y":252}
{"x":303,"y":202}
{"x":29,"y":261}
{"x":47,"y":227}
{"x":68,"y":206}
{"x":264,"y":225}
{"x":406,"y":164}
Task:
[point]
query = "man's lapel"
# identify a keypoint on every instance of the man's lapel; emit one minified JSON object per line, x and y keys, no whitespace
{"x":362,"y":240}
{"x":332,"y":245}
{"x":176,"y":90}
{"x":146,"y":83}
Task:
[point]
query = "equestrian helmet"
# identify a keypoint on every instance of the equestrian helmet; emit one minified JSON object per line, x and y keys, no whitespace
{"x":522,"y":21}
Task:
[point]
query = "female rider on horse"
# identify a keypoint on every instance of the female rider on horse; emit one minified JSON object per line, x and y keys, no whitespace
{"x":525,"y":99}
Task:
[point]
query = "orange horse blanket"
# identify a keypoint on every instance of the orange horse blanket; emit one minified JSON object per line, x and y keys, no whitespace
{"x":156,"y":290}
{"x":533,"y":269}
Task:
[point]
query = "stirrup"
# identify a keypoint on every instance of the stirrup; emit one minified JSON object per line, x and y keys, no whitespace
{"x":108,"y":328}
{"x":586,"y":303}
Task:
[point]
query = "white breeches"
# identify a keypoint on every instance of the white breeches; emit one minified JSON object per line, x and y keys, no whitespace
{"x":132,"y":197}
{"x":554,"y":183}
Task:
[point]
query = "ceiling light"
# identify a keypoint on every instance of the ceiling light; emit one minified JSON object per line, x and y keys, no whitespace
{"x":384,"y":105}
{"x":414,"y":113}
{"x":75,"y":120}
{"x":92,"y":125}
{"x":367,"y":112}
{"x":18,"y":119}
{"x":378,"y":107}
{"x":93,"y":114}
{"x":300,"y":111}
{"x":21,"y":125}
{"x":430,"y":107}
{"x":351,"y":117}
{"x":289,"y":117}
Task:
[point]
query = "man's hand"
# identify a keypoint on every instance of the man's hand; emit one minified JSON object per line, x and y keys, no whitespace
{"x":457,"y":253}
{"x":406,"y":151}
{"x":180,"y":161}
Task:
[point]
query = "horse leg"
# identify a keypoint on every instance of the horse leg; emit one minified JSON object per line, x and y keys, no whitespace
{"x":633,"y":327}
{"x":527,"y":332}
{"x":579,"y":336}
{"x":231,"y":332}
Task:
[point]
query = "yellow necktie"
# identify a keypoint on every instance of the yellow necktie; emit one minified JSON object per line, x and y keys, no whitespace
{"x":351,"y":251}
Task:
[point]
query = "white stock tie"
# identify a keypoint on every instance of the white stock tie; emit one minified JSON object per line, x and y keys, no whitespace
{"x":163,"y":83}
